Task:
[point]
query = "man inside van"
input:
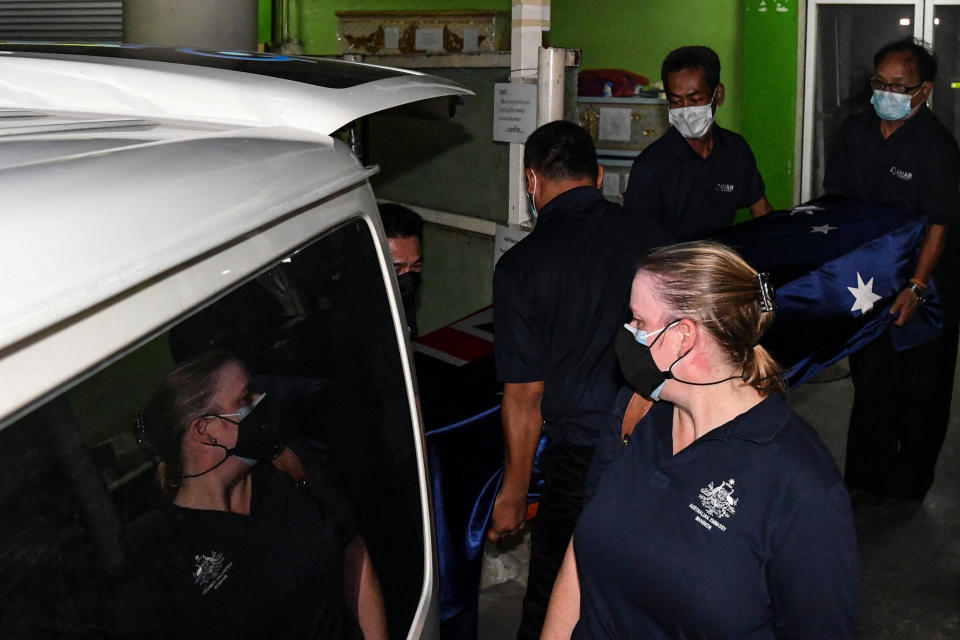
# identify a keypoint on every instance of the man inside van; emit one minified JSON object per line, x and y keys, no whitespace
{"x":559,"y":296}
{"x":694,"y":177}
{"x":404,"y":230}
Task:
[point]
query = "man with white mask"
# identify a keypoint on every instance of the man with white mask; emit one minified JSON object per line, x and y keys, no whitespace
{"x":693,"y":179}
{"x":559,"y":298}
{"x":899,"y":154}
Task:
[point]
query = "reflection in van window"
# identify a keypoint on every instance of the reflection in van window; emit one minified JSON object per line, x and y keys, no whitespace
{"x":275,"y":492}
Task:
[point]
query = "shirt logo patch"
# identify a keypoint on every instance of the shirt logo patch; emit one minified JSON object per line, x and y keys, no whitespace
{"x":211,"y":571}
{"x":900,"y":174}
{"x":716,"y":502}
{"x":725,"y":188}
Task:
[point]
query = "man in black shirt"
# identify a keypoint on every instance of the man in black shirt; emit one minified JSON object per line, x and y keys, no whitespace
{"x":900,"y":154}
{"x":559,"y":296}
{"x":694,"y":178}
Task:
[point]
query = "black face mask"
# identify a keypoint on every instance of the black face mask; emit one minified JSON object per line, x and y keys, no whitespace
{"x":638,"y":367}
{"x":641,"y":371}
{"x":408,"y":283}
{"x":258,"y":436}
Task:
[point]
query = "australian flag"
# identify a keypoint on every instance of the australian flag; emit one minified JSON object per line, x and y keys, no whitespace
{"x":837,"y":265}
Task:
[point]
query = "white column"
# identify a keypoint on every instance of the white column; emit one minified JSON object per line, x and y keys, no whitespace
{"x":550,"y":85}
{"x":530,"y":19}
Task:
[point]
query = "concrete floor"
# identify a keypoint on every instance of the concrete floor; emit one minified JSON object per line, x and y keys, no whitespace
{"x":910,"y":556}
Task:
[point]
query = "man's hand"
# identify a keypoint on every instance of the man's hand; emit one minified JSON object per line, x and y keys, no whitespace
{"x":522,"y":424}
{"x":905,"y":305}
{"x":509,"y":514}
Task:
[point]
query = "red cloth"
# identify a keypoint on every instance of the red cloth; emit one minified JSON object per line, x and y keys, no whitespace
{"x":624,"y":83}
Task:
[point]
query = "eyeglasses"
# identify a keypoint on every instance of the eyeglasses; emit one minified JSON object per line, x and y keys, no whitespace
{"x":895,"y":87}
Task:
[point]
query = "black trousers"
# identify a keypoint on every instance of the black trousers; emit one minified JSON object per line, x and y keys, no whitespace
{"x":901,"y":409}
{"x":564,"y":468}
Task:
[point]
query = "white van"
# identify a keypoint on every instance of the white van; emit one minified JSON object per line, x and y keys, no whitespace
{"x":151,"y":211}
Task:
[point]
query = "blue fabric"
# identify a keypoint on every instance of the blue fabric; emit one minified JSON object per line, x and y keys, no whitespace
{"x":812,"y":271}
{"x":466,"y":470}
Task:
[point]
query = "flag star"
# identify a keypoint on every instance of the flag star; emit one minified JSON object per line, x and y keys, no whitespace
{"x":863,"y":295}
{"x":824,"y":229}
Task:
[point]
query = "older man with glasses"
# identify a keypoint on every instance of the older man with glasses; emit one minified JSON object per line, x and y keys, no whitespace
{"x":899,"y":154}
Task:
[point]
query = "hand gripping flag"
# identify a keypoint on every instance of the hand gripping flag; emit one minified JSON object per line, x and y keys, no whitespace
{"x":837,"y":265}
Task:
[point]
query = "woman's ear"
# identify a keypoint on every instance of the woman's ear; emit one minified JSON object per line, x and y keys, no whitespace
{"x":689,"y":332}
{"x":198,"y":430}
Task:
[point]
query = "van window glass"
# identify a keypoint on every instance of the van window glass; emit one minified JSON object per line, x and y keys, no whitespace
{"x":89,"y":544}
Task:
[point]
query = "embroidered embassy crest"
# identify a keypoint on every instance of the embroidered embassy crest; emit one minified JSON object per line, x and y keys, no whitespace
{"x":211,"y":571}
{"x":717,"y":502}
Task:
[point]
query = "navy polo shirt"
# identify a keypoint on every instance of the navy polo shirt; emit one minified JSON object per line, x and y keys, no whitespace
{"x":747,"y":533}
{"x":689,"y":195}
{"x":559,"y":296}
{"x":918,"y":167}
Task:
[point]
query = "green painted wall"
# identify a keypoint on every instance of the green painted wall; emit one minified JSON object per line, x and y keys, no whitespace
{"x":637,"y":36}
{"x":457,"y":276}
{"x":613,"y":33}
{"x":769,"y":108}
{"x":758,"y":52}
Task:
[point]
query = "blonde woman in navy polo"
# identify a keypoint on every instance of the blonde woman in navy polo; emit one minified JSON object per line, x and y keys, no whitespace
{"x":720,"y":514}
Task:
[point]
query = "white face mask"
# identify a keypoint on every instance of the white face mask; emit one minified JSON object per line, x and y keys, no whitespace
{"x":532,"y":197}
{"x":693,"y":122}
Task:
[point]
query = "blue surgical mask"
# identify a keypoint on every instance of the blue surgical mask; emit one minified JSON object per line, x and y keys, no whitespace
{"x":531,"y":197}
{"x":245,"y":410}
{"x":642,"y":336}
{"x":890,"y":105}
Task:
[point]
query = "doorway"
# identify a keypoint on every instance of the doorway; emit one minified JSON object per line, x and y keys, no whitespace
{"x":841,"y":38}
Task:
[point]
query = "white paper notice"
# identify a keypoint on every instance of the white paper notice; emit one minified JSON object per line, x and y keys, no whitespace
{"x":391,"y":37}
{"x":429,"y":40}
{"x":514,"y":111}
{"x":611,"y":183}
{"x":471,"y":39}
{"x":614,"y":125}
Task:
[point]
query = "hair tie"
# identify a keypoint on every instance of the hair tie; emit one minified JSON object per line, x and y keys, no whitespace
{"x":767,"y":293}
{"x":140,"y":429}
{"x":143,"y":438}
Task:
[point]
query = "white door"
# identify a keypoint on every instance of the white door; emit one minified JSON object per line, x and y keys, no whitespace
{"x":941,"y":26}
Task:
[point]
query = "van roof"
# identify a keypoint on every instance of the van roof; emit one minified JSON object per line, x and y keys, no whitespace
{"x":223,"y":87}
{"x":115,"y":169}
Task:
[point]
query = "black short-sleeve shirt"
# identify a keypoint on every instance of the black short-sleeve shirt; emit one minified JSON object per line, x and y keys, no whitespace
{"x":276,"y":573}
{"x":689,"y":195}
{"x":918,"y":166}
{"x":559,"y":296}
{"x":747,"y":533}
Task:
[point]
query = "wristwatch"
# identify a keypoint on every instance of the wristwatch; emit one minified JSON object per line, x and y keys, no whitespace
{"x":918,"y":291}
